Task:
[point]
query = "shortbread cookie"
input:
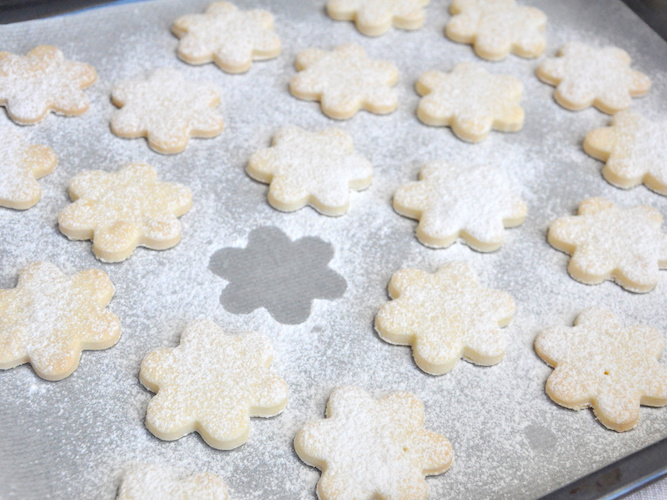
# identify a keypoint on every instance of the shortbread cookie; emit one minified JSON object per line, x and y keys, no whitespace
{"x":585,"y":76}
{"x":166,"y":109}
{"x":608,"y":242}
{"x":345,"y":80}
{"x":21,"y":164}
{"x":471,"y":101}
{"x":445,"y":316}
{"x":230,"y":37}
{"x":634,"y":149}
{"x":49,"y":318}
{"x":601,"y":364}
{"x":311,"y":168}
{"x":497,"y":27}
{"x":212,"y":384}
{"x":43,"y":81}
{"x":450,"y":202}
{"x":374,"y":17}
{"x":122,"y":210}
{"x":151,"y":482}
{"x":373,"y":448}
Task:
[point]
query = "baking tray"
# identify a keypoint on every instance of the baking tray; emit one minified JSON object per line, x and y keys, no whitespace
{"x":74,"y":438}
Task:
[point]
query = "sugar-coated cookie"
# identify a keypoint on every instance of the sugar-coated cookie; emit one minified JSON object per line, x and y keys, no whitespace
{"x":166,"y":109}
{"x":345,"y":80}
{"x":586,"y":76}
{"x":311,"y":168}
{"x":634,"y":149}
{"x":601,"y":364}
{"x":230,"y":37}
{"x":42,"y":81}
{"x":471,"y":101}
{"x":152,"y":482}
{"x":375,"y":17}
{"x":371,"y":448}
{"x":608,"y":242}
{"x":450,"y":202}
{"x":50,"y":317}
{"x":21,"y":164}
{"x":122,"y":210}
{"x":445,"y":316}
{"x":497,"y":27}
{"x":212,"y":383}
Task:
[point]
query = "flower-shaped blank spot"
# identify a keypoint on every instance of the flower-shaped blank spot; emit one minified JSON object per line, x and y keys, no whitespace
{"x":375,"y":17}
{"x":451,"y":202}
{"x":166,"y":109}
{"x":311,"y":168}
{"x":633,"y":150}
{"x":586,"y":76}
{"x":43,"y":81}
{"x":602,"y":364}
{"x":345,"y":80}
{"x":373,"y":448}
{"x":497,"y":27}
{"x":445,"y":316}
{"x":278,"y":274}
{"x":608,"y":242}
{"x":122,"y":210}
{"x":230,"y":37}
{"x":151,"y":482}
{"x":21,"y":164}
{"x":212,"y":383}
{"x":471,"y":101}
{"x":49,"y":318}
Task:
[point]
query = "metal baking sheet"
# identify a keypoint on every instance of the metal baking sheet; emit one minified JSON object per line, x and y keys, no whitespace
{"x":74,"y":438}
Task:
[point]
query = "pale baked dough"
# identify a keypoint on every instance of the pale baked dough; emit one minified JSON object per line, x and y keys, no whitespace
{"x":445,"y":316}
{"x":122,"y":210}
{"x":375,"y":17}
{"x":43,"y":81}
{"x":345,"y":80}
{"x":586,"y":76}
{"x":167,"y":109}
{"x":451,"y":202}
{"x":471,"y":101}
{"x":212,"y":383}
{"x":601,"y":364}
{"x":373,"y":448}
{"x":230,"y":37}
{"x":311,"y":168}
{"x":50,"y":317}
{"x":21,"y":164}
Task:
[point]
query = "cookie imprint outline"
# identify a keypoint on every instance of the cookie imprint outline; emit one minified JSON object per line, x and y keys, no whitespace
{"x":143,"y":481}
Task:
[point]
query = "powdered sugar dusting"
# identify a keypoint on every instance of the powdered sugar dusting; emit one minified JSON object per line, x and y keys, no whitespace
{"x":375,"y":17}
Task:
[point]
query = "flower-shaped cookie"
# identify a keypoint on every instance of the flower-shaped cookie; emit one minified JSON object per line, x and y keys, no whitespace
{"x":497,"y":27}
{"x":122,"y":210}
{"x":633,"y":150}
{"x":445,"y":316}
{"x":373,"y":448}
{"x":230,"y":37}
{"x":311,"y":168}
{"x":49,"y":318}
{"x":21,"y":164}
{"x":212,"y":383}
{"x":601,"y":364}
{"x":471,"y":101}
{"x":43,"y":81}
{"x":608,"y":242}
{"x":374,"y":17}
{"x":151,"y":482}
{"x":345,"y":80}
{"x":586,"y":76}
{"x":451,"y":202}
{"x":166,"y":109}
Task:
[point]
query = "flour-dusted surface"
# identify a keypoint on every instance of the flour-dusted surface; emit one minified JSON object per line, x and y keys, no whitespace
{"x":73,"y":438}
